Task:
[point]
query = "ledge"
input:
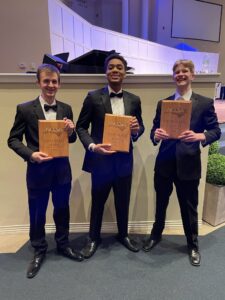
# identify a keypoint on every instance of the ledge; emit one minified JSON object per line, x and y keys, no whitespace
{"x":100,"y":78}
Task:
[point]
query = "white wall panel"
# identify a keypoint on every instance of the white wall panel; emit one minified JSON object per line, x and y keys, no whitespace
{"x":69,"y":47}
{"x":80,"y":37}
{"x":98,"y":39}
{"x":144,"y":66}
{"x":153,"y":51}
{"x":111,"y":41}
{"x":67,"y":24}
{"x":132,"y":62}
{"x":56,"y":44}
{"x":87,"y":35}
{"x":87,"y":49}
{"x":123,"y":45}
{"x":143,"y":49}
{"x":79,"y":50}
{"x":156,"y":68}
{"x":55,"y":17}
{"x":173,"y":55}
{"x":78,"y":31}
{"x":133,"y":47}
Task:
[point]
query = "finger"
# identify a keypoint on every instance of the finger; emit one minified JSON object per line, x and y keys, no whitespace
{"x":46,"y":158}
{"x":106,"y":148}
{"x":188,"y":139}
{"x":181,"y":136}
{"x":42,"y":154}
{"x":105,"y":145}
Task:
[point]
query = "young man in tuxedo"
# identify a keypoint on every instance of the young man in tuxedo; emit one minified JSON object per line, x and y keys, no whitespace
{"x":44,"y":173}
{"x":178,"y":161}
{"x":109,"y":169}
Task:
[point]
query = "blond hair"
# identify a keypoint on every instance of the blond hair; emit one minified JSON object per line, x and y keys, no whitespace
{"x":186,"y":63}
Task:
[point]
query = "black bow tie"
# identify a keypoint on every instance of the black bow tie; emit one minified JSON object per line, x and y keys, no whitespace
{"x":119,"y":95}
{"x":47,"y":107}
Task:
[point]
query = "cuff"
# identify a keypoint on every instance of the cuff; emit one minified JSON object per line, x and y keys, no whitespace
{"x":134,"y":135}
{"x":91,"y":147}
{"x":204,"y":143}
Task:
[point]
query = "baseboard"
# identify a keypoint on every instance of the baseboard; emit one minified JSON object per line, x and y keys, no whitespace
{"x":141,"y":227}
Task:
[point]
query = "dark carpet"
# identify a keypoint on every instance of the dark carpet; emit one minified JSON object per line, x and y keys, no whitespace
{"x":114,"y":273}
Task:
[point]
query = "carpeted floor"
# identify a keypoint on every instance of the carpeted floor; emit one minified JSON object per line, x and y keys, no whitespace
{"x":114,"y":273}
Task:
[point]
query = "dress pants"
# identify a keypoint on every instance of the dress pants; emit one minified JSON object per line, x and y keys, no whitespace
{"x":187,"y":194}
{"x":101,"y":186}
{"x":38,"y":202}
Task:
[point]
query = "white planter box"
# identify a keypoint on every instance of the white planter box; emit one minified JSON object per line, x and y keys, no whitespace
{"x":214,"y":204}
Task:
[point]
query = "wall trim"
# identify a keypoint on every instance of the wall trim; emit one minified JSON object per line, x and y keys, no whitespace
{"x":100,"y":78}
{"x":141,"y":227}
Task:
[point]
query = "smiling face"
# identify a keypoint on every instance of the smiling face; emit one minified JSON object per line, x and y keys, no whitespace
{"x":183,"y":76}
{"x":115,"y":73}
{"x":49,"y":85}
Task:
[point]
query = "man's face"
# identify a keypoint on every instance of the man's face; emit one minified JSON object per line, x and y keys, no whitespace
{"x":49,"y":84}
{"x":115,"y":72}
{"x":182,"y":76}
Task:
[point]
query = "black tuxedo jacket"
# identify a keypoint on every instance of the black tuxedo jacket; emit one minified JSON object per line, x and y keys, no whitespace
{"x":95,"y":106}
{"x":26,"y":125}
{"x":186,"y":155}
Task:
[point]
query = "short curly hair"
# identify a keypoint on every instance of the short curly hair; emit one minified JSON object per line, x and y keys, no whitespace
{"x":117,"y":56}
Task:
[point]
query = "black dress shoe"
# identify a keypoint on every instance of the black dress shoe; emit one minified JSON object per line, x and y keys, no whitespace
{"x":195,"y":257}
{"x":70,"y":253}
{"x":128,"y":243}
{"x":90,"y":248}
{"x":35,"y":265}
{"x":150,"y":244}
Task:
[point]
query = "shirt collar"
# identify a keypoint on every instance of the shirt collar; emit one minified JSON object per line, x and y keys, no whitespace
{"x":42,"y":101}
{"x":112,"y":91}
{"x":186,"y":96}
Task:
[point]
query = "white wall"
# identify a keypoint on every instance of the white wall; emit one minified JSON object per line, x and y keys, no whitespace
{"x":144,"y":56}
{"x":160,"y":15}
{"x":14,"y":216}
{"x":27,"y":39}
{"x":162,"y":34}
{"x":24,"y":34}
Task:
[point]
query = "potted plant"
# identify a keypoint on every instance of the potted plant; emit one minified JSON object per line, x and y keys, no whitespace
{"x":214,"y":202}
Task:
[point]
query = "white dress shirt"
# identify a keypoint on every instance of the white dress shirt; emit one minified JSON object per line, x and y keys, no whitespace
{"x":116,"y":103}
{"x":186,"y":96}
{"x":50,"y":114}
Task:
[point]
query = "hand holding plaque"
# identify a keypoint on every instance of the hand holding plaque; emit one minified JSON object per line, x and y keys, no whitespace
{"x":175,"y":117}
{"x":53,"y":138}
{"x":117,"y":132}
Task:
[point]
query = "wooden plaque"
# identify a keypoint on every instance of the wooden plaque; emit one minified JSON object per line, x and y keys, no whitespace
{"x":53,"y":139}
{"x":175,"y":117}
{"x":117,"y":132}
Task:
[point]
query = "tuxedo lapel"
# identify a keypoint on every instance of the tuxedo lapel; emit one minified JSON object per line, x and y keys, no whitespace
{"x":127,"y":104}
{"x":194,"y":100}
{"x":60,"y":112}
{"x":38,"y":110}
{"x":171,"y":97}
{"x":106,"y":100}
